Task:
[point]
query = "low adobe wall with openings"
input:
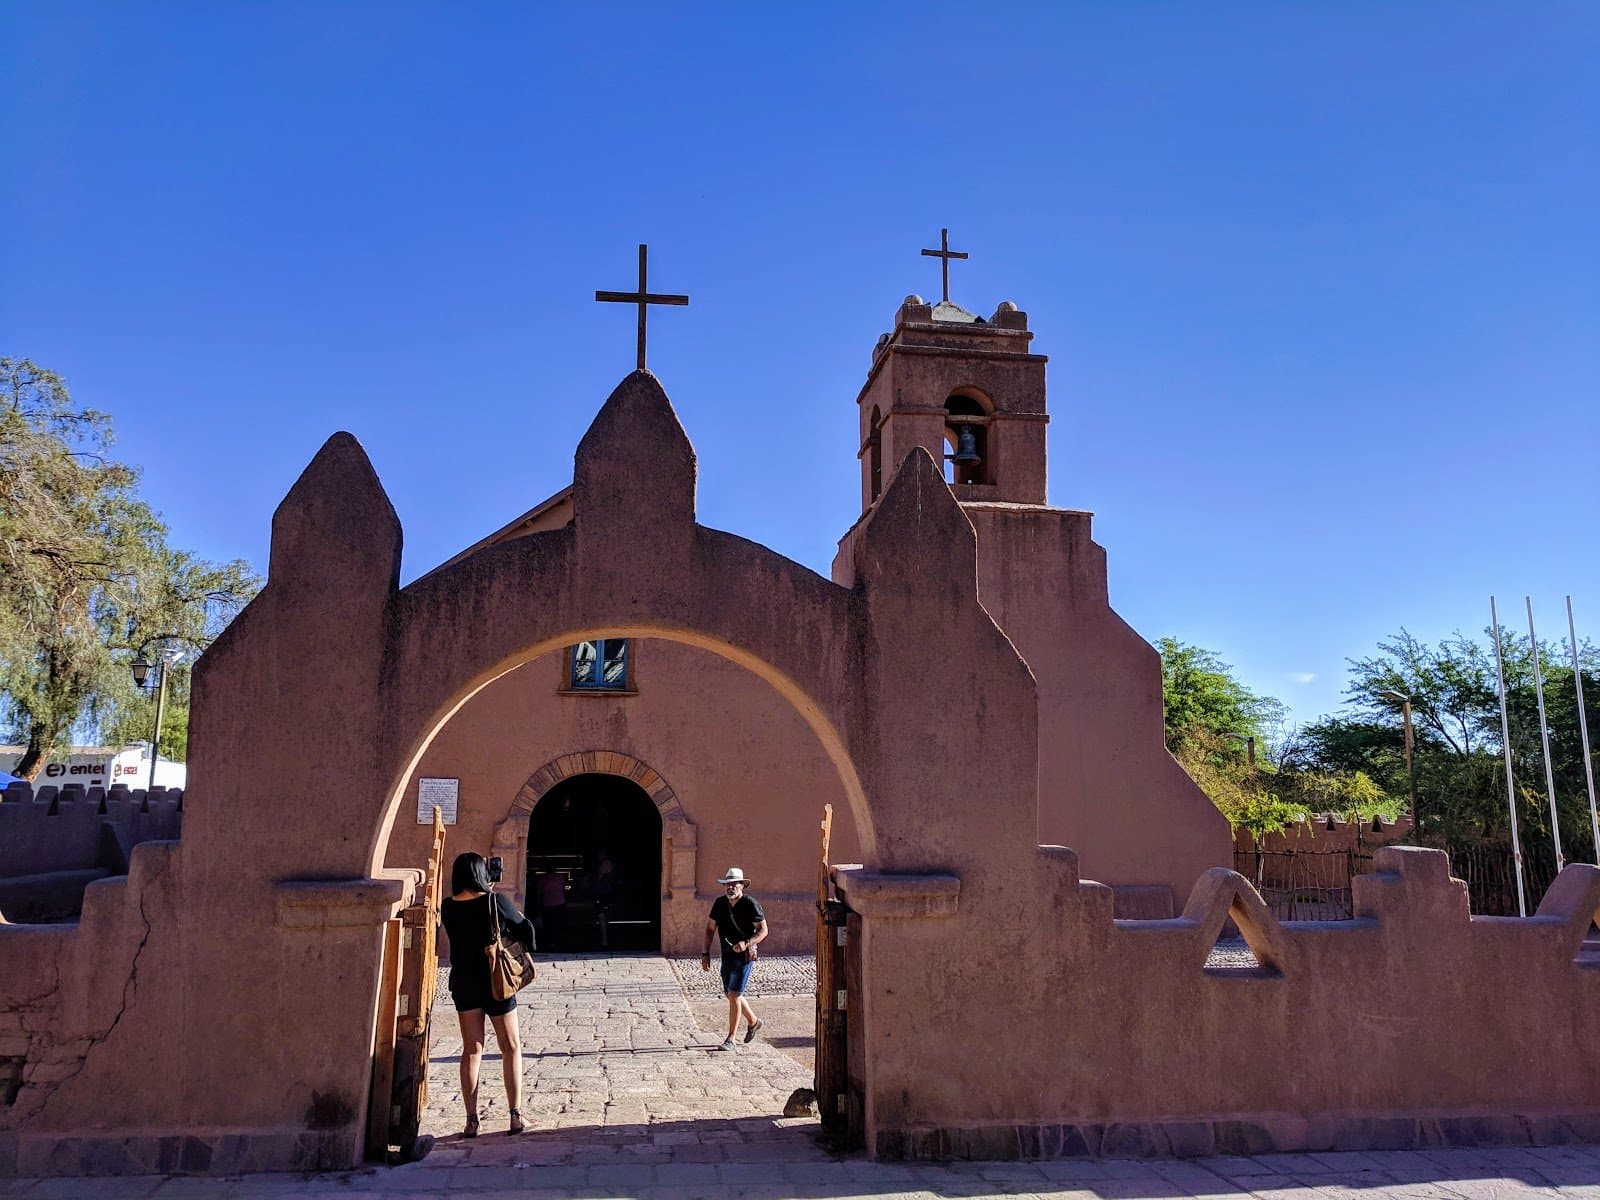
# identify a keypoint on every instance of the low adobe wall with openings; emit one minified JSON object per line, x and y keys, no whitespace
{"x":1115,"y":1038}
{"x":54,"y":842}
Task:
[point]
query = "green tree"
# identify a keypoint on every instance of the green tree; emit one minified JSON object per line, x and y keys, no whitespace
{"x":1206,"y":706}
{"x":1246,"y":795}
{"x":1210,"y":718}
{"x":1456,"y":717}
{"x":86,"y":574}
{"x":186,"y":602}
{"x":1209,"y":713}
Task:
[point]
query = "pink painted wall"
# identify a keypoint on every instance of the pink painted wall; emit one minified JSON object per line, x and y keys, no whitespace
{"x":1413,"y":1025}
{"x":1326,"y":835}
{"x":1107,"y":786}
{"x":746,"y":771}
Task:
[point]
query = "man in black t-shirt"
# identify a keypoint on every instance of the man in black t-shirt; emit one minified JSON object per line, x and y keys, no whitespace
{"x":737,"y":920}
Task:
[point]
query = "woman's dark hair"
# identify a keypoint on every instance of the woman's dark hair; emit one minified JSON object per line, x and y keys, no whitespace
{"x":470,"y":873}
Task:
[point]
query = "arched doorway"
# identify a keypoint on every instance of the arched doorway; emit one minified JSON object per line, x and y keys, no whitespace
{"x":593,"y":877}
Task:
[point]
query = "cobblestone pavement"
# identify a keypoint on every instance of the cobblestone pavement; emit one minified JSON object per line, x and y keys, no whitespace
{"x":626,"y":1098}
{"x":775,"y":975}
{"x":796,"y":975}
{"x":611,"y":1048}
{"x":1231,"y":952}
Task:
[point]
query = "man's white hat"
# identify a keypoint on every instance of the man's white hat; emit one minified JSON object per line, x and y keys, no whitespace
{"x":734,"y":875}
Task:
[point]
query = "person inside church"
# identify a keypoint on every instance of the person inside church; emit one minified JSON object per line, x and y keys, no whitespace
{"x":468,"y":923}
{"x":550,"y":905}
{"x":737,"y":920}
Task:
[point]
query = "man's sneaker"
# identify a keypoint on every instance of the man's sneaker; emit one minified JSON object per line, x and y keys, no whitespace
{"x":750,"y":1034}
{"x":727,"y":1044}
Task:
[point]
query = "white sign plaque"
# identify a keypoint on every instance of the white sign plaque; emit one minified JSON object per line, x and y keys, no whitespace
{"x":440,"y":794}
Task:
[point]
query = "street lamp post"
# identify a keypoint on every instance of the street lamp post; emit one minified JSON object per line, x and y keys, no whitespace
{"x":1411,"y":765}
{"x":1249,"y":742}
{"x":168,"y":648}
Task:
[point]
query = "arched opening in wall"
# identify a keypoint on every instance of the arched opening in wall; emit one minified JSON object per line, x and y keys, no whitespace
{"x":736,"y":761}
{"x":875,"y":455}
{"x":966,"y":436}
{"x":594,"y":866}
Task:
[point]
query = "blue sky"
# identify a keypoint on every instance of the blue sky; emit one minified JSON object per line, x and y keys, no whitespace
{"x":1318,"y":283}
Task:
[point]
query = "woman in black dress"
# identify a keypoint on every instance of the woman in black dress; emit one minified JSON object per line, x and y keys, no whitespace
{"x":466,"y":921}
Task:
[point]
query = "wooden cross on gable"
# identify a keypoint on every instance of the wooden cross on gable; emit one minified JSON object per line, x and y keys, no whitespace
{"x":642,"y":298}
{"x":945,"y":254}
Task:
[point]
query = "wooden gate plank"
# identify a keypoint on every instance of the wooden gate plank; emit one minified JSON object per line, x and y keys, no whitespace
{"x":408,"y":1084}
{"x":379,"y":1109}
{"x":831,"y":1027}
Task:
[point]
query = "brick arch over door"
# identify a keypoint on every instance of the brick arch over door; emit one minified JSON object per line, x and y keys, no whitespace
{"x":678,"y":840}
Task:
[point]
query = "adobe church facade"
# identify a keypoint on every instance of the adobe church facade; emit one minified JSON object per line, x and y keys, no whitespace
{"x":672,"y":763}
{"x":997,"y":1004}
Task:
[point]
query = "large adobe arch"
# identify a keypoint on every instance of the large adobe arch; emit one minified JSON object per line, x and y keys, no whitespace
{"x":632,"y":563}
{"x":336,"y":673}
{"x":310,"y":712}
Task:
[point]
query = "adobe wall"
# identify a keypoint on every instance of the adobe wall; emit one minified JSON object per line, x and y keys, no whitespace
{"x":1117,"y":1040}
{"x":747,"y":779}
{"x":1107,"y":785}
{"x":55,"y":842}
{"x":75,"y":996}
{"x":60,"y":829}
{"x":1327,"y":835}
{"x":124,"y":1064}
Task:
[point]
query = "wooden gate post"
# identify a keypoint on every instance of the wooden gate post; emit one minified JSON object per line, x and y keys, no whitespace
{"x":378,"y":1104}
{"x":400,"y":1059}
{"x":832,"y":1030}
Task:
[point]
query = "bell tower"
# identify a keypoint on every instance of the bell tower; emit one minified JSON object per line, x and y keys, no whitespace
{"x":969,"y":392}
{"x":965,"y":389}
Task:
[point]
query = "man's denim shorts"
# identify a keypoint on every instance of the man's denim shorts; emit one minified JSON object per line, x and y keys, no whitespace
{"x":735,"y":974}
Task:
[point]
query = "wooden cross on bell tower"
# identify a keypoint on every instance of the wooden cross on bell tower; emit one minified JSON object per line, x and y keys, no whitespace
{"x":945,"y":254}
{"x":643,"y":297}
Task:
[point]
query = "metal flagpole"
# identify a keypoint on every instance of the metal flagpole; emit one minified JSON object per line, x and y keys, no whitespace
{"x":1583,"y":729}
{"x":1544,"y":737}
{"x":1505,"y":742}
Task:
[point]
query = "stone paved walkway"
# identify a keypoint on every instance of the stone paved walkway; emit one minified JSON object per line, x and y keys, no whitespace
{"x":613,"y":1059}
{"x":775,"y":975}
{"x":1398,"y":1175}
{"x":627,"y":1099}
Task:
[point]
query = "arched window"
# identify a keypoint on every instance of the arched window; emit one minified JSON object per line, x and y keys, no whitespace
{"x":875,"y":454}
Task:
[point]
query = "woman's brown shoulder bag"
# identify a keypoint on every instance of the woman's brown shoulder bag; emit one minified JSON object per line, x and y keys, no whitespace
{"x":510,"y":964}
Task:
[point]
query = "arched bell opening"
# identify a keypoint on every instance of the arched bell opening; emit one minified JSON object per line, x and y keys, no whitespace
{"x":593,"y":866}
{"x":966,"y":437}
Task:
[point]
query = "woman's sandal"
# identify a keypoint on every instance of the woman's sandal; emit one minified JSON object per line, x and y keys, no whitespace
{"x":516,"y":1122}
{"x":472,"y":1127}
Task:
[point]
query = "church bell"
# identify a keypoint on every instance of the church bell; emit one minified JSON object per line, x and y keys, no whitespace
{"x":966,"y":454}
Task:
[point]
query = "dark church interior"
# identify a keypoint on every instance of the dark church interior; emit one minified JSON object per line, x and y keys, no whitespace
{"x":594,"y":866}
